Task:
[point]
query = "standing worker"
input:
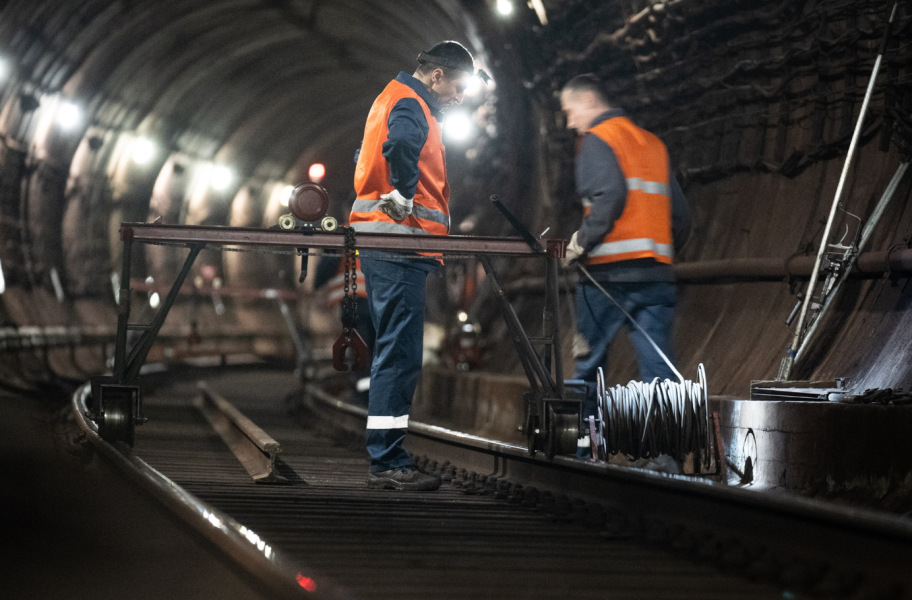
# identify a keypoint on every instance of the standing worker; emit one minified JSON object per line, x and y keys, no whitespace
{"x":401,"y":188}
{"x":635,"y":218}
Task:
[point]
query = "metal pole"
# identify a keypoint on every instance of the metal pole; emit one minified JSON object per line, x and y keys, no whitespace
{"x":865,"y":236}
{"x":554,"y":300}
{"x":531,"y":363}
{"x":123,"y":308}
{"x":789,"y":361}
{"x":141,"y":350}
{"x":293,"y":331}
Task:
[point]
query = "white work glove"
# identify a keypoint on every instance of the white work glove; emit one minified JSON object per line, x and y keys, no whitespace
{"x":574,"y":251}
{"x":395,"y":205}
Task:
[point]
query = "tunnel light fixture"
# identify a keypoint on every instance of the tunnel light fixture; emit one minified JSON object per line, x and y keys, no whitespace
{"x":4,"y":70}
{"x":458,"y":126}
{"x":69,"y":116}
{"x":505,"y":7}
{"x":316,"y":172}
{"x":2,"y":280}
{"x":143,"y":151}
{"x":221,"y":178}
{"x":285,"y":196}
{"x":154,"y":300}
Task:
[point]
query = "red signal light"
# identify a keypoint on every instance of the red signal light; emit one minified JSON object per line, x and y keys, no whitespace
{"x":316,"y":172}
{"x":307,"y":583}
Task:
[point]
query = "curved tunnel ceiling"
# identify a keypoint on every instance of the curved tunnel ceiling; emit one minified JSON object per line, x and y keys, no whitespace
{"x":263,"y":87}
{"x":256,"y":83}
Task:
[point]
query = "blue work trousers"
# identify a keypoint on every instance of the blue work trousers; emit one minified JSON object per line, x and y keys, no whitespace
{"x":396,"y":296}
{"x":598,"y":320}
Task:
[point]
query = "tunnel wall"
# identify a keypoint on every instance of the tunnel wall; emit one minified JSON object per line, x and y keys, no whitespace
{"x":756,"y":103}
{"x":255,"y":90}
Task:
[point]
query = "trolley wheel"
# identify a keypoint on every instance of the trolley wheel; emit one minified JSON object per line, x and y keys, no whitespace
{"x":329,"y":224}
{"x":287,"y":221}
{"x":117,"y":420}
{"x":563,"y":433}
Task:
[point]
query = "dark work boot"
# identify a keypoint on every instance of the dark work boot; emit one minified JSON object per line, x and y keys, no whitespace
{"x":404,"y":478}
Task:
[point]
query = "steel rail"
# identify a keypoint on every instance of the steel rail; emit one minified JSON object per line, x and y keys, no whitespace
{"x":255,"y":449}
{"x":819,"y":536}
{"x":251,"y":236}
{"x":275,"y":574}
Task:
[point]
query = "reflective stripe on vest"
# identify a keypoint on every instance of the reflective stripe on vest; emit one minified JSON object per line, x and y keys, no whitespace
{"x":644,"y":228}
{"x":422,"y":213}
{"x":628,"y":246}
{"x":430,"y":212}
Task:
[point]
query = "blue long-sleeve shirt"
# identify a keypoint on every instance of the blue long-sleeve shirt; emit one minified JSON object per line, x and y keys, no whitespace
{"x":408,"y":132}
{"x":599,"y":179}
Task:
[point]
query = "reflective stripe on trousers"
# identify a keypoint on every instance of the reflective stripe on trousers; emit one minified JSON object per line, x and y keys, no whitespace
{"x":374,"y":422}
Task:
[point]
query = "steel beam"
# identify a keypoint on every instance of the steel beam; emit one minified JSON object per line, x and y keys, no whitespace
{"x":250,"y":236}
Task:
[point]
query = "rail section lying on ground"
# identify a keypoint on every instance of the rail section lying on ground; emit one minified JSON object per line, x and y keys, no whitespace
{"x":252,"y":446}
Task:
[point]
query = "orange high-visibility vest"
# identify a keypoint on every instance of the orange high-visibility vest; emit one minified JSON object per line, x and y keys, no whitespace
{"x":336,"y":285}
{"x":644,"y":228}
{"x":430,"y":212}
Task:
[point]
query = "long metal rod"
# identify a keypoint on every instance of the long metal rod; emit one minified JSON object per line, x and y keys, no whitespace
{"x":865,"y":237}
{"x":859,"y":125}
{"x":293,"y":331}
{"x":123,"y":310}
{"x":554,"y":302}
{"x":250,"y":236}
{"x":632,"y":320}
{"x":531,"y":362}
{"x":138,"y":356}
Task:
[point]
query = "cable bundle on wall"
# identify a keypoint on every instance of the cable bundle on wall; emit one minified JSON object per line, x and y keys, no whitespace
{"x":644,"y":420}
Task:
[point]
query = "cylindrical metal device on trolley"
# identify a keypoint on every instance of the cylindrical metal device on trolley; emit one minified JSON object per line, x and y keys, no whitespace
{"x":309,"y":202}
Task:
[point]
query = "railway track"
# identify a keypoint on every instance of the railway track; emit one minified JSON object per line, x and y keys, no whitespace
{"x":502,"y":526}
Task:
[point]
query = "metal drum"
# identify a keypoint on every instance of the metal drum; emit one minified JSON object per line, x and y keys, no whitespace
{"x":309,"y":202}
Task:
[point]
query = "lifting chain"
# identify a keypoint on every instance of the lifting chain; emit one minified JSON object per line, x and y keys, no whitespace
{"x":350,"y":337}
{"x":350,"y":290}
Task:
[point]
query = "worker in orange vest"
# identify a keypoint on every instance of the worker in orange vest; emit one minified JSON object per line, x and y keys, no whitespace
{"x":401,"y":186}
{"x":635,"y":218}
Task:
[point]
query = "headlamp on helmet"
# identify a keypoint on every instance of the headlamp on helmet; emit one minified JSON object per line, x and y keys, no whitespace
{"x":440,"y":61}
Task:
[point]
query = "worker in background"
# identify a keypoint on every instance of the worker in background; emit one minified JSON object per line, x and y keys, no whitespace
{"x":635,"y":218}
{"x":401,"y":187}
{"x":330,"y":276}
